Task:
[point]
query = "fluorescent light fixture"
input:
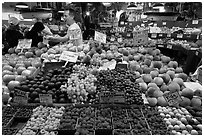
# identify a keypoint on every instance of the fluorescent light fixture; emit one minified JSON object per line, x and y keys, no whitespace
{"x":60,"y":11}
{"x":107,"y":4}
{"x":21,"y":5}
{"x":132,"y":7}
{"x":158,"y":6}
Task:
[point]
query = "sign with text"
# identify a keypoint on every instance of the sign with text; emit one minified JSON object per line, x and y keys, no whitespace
{"x":172,"y":98}
{"x":24,"y":44}
{"x":69,"y":56}
{"x":112,"y":97}
{"x":195,"y":22}
{"x":75,"y":34}
{"x":100,"y":37}
{"x":122,"y":66}
{"x":20,"y":97}
{"x":45,"y":98}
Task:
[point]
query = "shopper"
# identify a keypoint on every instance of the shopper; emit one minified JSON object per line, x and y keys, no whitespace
{"x":12,"y":34}
{"x":36,"y":34}
{"x":69,"y":16}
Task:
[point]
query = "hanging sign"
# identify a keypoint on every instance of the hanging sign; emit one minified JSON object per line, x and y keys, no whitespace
{"x":45,"y":98}
{"x":172,"y":98}
{"x":69,"y":56}
{"x":100,"y":37}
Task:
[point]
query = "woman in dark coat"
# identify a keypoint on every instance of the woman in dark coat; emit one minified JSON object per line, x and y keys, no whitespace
{"x":35,"y":34}
{"x":12,"y":33}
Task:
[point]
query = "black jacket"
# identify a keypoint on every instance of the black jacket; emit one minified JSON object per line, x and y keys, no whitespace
{"x":33,"y":34}
{"x":12,"y":37}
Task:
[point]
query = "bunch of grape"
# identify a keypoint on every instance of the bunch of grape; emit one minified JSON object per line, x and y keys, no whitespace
{"x":80,"y":84}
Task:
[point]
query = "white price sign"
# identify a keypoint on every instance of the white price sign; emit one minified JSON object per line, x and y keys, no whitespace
{"x":24,"y":44}
{"x":120,"y":40}
{"x":169,"y":46}
{"x":154,"y":35}
{"x":195,"y":22}
{"x":179,"y":35}
{"x":69,"y":56}
{"x":160,"y":45}
{"x":75,"y":34}
{"x":100,"y":37}
{"x":164,"y":23}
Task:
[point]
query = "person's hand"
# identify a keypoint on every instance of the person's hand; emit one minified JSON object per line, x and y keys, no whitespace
{"x":49,"y":37}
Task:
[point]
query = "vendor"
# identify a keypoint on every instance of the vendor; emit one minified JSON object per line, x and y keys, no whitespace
{"x":68,"y":17}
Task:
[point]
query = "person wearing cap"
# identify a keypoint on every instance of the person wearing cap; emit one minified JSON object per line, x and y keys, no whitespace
{"x":13,"y":33}
{"x":36,"y":34}
{"x":69,"y":15}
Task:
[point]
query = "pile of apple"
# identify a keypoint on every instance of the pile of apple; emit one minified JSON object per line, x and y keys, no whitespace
{"x":16,"y":69}
{"x":80,"y":84}
{"x":43,"y":118}
{"x":180,"y":121}
{"x":53,"y":53}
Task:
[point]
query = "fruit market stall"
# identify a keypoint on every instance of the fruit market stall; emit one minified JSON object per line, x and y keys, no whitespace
{"x":101,"y":95}
{"x":123,"y":81}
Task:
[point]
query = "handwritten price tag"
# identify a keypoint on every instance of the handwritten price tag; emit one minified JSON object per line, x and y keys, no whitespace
{"x":164,"y":23}
{"x":196,"y":53}
{"x":154,"y":35}
{"x":120,"y":40}
{"x":160,"y":35}
{"x":20,"y":97}
{"x":112,"y":97}
{"x":24,"y":44}
{"x":121,"y":23}
{"x":169,"y":46}
{"x":100,"y":37}
{"x":195,"y":22}
{"x":69,"y":56}
{"x":172,"y":98}
{"x":128,"y":34}
{"x":169,"y":35}
{"x":180,"y":36}
{"x":161,"y":46}
{"x":45,"y":98}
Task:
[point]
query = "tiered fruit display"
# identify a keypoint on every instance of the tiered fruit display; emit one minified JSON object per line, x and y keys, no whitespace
{"x":43,"y":118}
{"x":86,"y":120}
{"x":80,"y":84}
{"x":17,"y":69}
{"x":124,"y":80}
{"x":120,"y":119}
{"x":180,"y":121}
{"x":48,"y":82}
{"x":155,"y":121}
{"x":53,"y":54}
{"x":103,"y":119}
